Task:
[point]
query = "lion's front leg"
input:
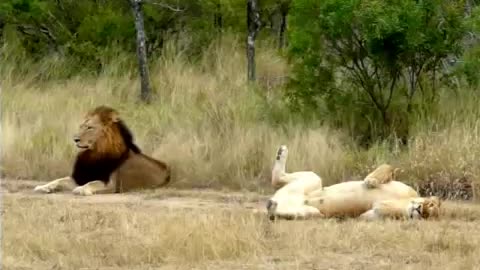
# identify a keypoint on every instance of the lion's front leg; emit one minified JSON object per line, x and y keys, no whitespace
{"x":55,"y":185}
{"x":94,"y":187}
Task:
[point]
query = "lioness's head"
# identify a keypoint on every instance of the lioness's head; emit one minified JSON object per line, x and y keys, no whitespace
{"x":425,"y":208}
{"x":101,"y":132}
{"x":431,"y":207}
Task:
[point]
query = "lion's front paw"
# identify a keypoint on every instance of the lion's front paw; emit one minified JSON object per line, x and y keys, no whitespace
{"x":82,"y":191}
{"x":43,"y":189}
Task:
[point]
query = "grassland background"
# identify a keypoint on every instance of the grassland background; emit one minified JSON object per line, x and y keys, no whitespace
{"x":214,"y":128}
{"x":218,"y":132}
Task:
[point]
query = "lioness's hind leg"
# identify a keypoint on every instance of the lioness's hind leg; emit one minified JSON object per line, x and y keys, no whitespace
{"x":56,"y":185}
{"x":382,"y":175}
{"x":94,"y":187}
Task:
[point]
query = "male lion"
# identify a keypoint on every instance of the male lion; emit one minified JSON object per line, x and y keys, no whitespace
{"x":412,"y":208}
{"x":108,"y":161}
{"x":302,"y":198}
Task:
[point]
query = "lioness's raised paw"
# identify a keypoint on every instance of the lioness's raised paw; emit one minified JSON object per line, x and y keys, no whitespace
{"x":82,"y":191}
{"x":43,"y":189}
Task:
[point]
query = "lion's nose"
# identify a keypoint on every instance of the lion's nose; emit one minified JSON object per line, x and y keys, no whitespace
{"x":76,"y":139}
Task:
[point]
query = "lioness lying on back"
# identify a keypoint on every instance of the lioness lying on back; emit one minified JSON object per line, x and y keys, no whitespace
{"x":302,"y":194}
{"x":108,"y":160}
{"x":411,"y":208}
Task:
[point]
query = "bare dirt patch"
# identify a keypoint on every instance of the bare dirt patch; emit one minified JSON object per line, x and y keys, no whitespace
{"x":166,"y":197}
{"x":206,"y":229}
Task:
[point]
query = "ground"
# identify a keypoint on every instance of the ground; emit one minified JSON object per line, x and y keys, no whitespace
{"x":205,"y":229}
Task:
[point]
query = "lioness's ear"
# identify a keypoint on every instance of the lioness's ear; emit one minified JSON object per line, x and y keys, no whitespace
{"x":437,"y":200}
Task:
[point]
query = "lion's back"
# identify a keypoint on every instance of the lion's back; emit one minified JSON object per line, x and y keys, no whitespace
{"x":141,"y":171}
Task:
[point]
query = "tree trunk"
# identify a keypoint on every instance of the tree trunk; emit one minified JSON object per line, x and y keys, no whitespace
{"x":145,"y":90}
{"x":253,"y":24}
{"x":2,"y":25}
{"x":281,"y":34}
{"x":284,"y":7}
{"x":218,"y":18}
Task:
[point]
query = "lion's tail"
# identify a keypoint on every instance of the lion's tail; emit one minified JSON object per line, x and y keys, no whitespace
{"x":169,"y":174}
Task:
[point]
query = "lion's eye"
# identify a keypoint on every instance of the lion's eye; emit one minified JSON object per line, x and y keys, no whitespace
{"x":89,"y":128}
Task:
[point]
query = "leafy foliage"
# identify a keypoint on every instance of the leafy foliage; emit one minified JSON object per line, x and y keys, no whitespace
{"x":365,"y":66}
{"x":70,"y":26}
{"x":361,"y":62}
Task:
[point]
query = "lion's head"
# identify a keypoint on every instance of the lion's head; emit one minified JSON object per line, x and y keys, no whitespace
{"x":104,"y":142}
{"x":424,"y":208}
{"x":103,"y":132}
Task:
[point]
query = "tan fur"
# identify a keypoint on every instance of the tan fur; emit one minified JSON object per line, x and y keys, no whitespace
{"x":99,"y":138}
{"x":346,"y":199}
{"x":431,"y":207}
{"x":406,"y":208}
{"x":381,"y":175}
{"x":308,"y":180}
{"x":352,"y":198}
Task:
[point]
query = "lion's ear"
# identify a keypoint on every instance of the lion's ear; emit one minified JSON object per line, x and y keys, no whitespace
{"x":115,"y":117}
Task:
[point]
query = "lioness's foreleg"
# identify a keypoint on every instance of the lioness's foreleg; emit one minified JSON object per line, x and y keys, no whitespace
{"x":56,"y":185}
{"x":94,"y":187}
{"x":369,"y":215}
{"x":274,"y":210}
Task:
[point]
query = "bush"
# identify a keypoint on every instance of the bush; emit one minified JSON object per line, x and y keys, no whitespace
{"x":360,"y":63}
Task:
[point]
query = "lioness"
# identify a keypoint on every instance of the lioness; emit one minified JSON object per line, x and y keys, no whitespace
{"x":303,"y":198}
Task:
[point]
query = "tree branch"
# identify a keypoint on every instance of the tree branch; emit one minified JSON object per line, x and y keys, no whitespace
{"x":163,"y":5}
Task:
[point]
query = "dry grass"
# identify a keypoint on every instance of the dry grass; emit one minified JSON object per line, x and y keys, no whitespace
{"x":208,"y":123}
{"x":169,"y":232}
{"x":213,"y":128}
{"x":216,"y":132}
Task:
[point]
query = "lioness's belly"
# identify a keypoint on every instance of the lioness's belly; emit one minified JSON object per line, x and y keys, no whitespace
{"x":354,"y":198}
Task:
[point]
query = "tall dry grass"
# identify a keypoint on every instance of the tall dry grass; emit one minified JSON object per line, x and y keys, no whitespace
{"x":213,"y":127}
{"x":49,"y":232}
{"x":207,"y":122}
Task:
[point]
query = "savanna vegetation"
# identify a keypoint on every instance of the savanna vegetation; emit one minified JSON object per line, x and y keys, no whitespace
{"x":346,"y":84}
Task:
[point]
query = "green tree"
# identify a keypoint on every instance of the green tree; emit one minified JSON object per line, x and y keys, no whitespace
{"x":361,"y":62}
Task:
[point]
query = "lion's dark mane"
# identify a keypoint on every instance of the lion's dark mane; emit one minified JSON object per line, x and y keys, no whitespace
{"x":87,"y":169}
